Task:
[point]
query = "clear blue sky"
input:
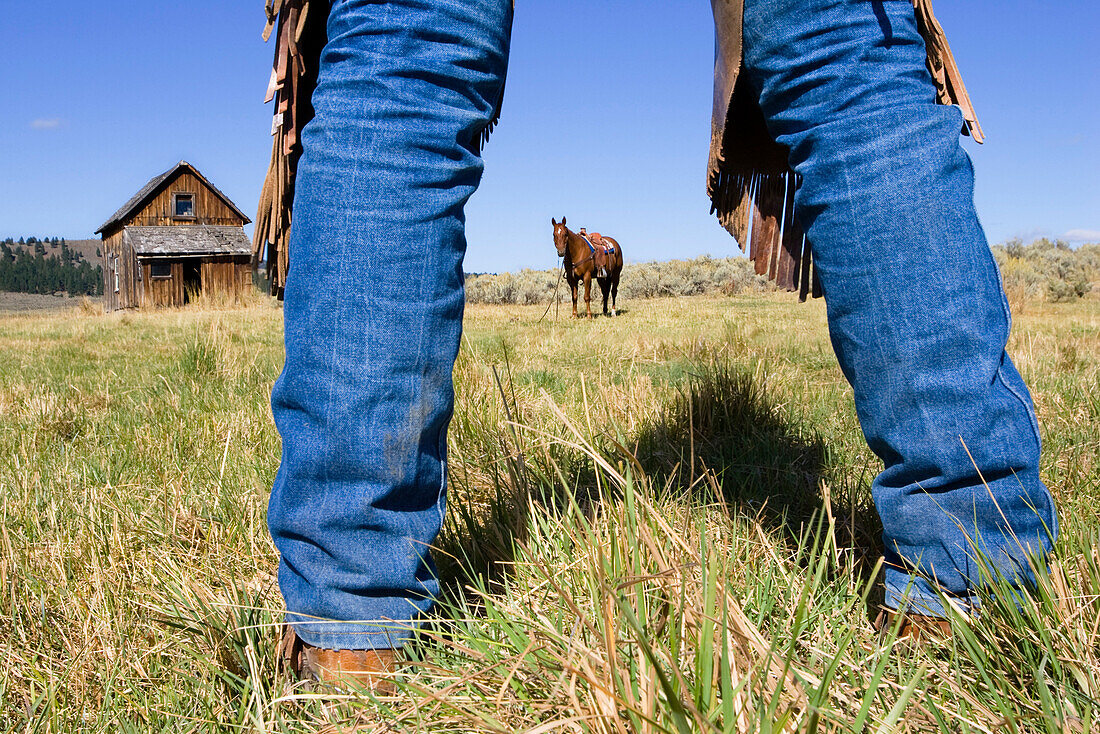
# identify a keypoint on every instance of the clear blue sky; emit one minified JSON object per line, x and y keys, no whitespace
{"x":96,"y":98}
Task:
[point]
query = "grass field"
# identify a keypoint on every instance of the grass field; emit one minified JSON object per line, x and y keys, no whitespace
{"x":35,"y":303}
{"x":659,"y":522}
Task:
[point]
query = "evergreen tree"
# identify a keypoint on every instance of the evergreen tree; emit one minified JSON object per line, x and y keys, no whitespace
{"x":22,"y":271}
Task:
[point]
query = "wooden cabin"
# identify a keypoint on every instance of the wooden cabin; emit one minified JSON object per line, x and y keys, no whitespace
{"x":176,"y":238}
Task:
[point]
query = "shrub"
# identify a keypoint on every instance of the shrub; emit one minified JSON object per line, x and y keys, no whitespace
{"x":1045,"y":269}
{"x":702,"y":276}
{"x":1040,"y":270}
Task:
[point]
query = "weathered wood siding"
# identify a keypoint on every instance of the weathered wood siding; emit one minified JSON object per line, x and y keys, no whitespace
{"x":218,"y":274}
{"x":118,"y":259}
{"x":226,"y":275}
{"x":110,"y":298}
{"x":162,"y":292}
{"x":209,"y":207}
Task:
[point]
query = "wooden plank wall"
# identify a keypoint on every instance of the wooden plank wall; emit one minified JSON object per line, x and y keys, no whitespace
{"x":135,"y":292}
{"x":230,"y":274}
{"x":226,"y":275}
{"x":163,"y":292}
{"x":209,"y":207}
{"x":117,"y":256}
{"x":220,"y":276}
{"x":110,"y":298}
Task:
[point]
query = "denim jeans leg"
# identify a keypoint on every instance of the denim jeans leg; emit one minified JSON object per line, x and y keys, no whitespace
{"x":917,"y":314}
{"x":373,"y":311}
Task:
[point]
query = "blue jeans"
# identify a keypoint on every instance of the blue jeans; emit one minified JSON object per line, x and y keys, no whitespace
{"x":917,"y":313}
{"x":373,"y":310}
{"x":374,"y":300}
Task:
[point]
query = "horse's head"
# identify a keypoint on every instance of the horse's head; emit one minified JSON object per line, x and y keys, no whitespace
{"x":560,"y":240}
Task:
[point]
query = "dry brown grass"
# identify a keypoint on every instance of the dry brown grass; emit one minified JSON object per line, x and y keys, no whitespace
{"x":623,"y":508}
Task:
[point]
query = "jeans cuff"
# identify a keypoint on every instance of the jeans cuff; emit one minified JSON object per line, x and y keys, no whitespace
{"x":906,"y":592}
{"x":373,"y":635}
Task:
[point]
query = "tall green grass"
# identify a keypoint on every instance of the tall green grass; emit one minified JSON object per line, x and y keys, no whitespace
{"x":659,"y":523}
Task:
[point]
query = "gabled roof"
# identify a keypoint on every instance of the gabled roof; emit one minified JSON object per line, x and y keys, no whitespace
{"x":151,"y":189}
{"x":187,"y":239}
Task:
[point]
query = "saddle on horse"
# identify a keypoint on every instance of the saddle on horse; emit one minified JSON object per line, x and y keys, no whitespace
{"x":607,"y":245}
{"x":602,"y":253}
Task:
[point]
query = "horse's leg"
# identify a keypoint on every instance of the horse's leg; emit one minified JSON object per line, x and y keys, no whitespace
{"x":588,"y":294}
{"x":615,"y":292}
{"x":573,"y":289}
{"x":605,"y":291}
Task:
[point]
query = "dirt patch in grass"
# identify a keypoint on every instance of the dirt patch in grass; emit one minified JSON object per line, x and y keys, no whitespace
{"x":26,"y":302}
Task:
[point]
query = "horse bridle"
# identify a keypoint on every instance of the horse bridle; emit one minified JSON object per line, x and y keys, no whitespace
{"x":565,"y":238}
{"x":591,"y":254}
{"x":591,"y":251}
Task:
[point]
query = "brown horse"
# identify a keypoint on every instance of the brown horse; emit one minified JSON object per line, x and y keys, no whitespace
{"x":583,"y":261}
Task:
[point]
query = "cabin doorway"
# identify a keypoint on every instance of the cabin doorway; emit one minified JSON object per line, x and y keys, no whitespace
{"x":192,"y":280}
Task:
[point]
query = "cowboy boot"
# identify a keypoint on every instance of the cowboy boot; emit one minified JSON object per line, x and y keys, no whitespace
{"x":369,"y":670}
{"x":918,"y":628}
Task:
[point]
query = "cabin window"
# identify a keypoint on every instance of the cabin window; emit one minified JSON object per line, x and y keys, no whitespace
{"x":183,"y":206}
{"x":158,"y":271}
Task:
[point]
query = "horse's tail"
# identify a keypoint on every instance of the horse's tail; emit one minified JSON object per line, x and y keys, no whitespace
{"x":617,"y":258}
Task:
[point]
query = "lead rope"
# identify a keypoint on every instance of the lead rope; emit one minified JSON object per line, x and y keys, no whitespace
{"x":554,"y":302}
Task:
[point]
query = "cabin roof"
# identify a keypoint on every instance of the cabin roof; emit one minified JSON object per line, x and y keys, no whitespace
{"x":149,"y":190}
{"x":187,"y":239}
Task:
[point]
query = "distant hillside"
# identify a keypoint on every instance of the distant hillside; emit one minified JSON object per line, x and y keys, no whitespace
{"x":51,"y":265}
{"x":51,"y":247}
{"x":88,"y":249}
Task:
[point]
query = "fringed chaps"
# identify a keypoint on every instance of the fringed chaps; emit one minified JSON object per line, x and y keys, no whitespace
{"x":300,"y":38}
{"x":749,"y":182}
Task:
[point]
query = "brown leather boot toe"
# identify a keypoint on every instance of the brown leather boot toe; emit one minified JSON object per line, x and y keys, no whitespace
{"x":370,"y":670}
{"x":918,"y":628}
